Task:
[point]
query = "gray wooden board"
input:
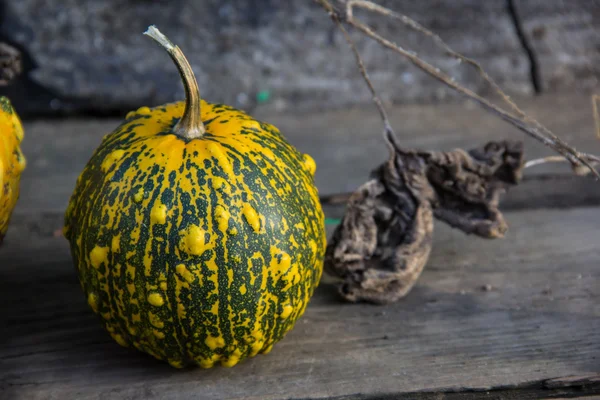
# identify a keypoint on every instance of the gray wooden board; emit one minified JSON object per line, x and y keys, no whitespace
{"x":539,"y":321}
{"x":345,"y":144}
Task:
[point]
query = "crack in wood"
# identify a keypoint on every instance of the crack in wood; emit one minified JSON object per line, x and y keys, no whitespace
{"x":555,"y":388}
{"x":534,"y":69}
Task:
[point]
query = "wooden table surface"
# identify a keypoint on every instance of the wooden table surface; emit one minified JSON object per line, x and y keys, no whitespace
{"x":515,"y":318}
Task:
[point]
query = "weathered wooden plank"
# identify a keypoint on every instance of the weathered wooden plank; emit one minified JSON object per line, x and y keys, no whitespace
{"x":345,"y":144}
{"x":484,"y":314}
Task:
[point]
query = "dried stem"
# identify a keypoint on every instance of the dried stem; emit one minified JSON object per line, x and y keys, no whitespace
{"x":190,"y":125}
{"x":544,"y":160}
{"x":578,"y":169}
{"x":523,"y":122}
{"x":388,"y":133}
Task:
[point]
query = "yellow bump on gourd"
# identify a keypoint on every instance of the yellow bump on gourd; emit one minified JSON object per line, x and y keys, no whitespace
{"x":268,"y":349}
{"x":158,"y":334}
{"x":214,"y":342}
{"x":181,"y":311}
{"x":222,"y":216}
{"x":216,"y":150}
{"x":313,"y":247}
{"x":243,"y":289}
{"x":116,"y":244}
{"x":256,"y":347}
{"x":185,"y":273}
{"x":158,"y":215}
{"x":138,"y":196}
{"x":155,"y":320}
{"x":111,"y":159}
{"x":194,"y":240}
{"x":119,"y":339}
{"x":93,"y":301}
{"x":156,"y":299}
{"x":266,"y":152}
{"x":98,"y":256}
{"x":280,"y":261}
{"x":163,"y":285}
{"x":309,"y":164}
{"x":144,"y":110}
{"x":251,"y":217}
{"x":219,"y":183}
{"x":204,"y":363}
{"x":231,"y":361}
{"x":175,"y":363}
{"x":287,"y":311}
{"x":232,"y":231}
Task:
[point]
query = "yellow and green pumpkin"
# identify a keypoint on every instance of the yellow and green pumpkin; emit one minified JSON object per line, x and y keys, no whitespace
{"x":12,"y":162}
{"x":196,"y":231}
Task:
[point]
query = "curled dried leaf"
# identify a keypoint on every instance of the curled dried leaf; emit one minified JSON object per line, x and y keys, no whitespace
{"x":383,"y":242}
{"x":468,"y":185}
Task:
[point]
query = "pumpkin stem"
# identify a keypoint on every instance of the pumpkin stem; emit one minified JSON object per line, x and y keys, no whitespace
{"x":190,"y":125}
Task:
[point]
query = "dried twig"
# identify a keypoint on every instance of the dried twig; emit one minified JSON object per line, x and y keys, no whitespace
{"x":523,"y":122}
{"x":388,"y":133}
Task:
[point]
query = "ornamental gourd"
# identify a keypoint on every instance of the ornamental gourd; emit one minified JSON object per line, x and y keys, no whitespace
{"x":196,"y":230}
{"x":12,"y":162}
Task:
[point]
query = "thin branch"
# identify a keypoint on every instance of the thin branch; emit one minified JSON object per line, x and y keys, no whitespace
{"x":388,"y":134}
{"x":521,"y":120}
{"x":544,"y":160}
{"x":437,"y":39}
{"x":577,"y":169}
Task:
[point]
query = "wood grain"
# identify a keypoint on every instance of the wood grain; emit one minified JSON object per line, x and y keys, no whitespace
{"x":346,"y":145}
{"x":518,"y":317}
{"x":539,"y":318}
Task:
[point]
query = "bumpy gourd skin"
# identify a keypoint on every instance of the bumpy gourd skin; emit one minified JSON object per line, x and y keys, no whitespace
{"x":12,"y":162}
{"x":197,"y":251}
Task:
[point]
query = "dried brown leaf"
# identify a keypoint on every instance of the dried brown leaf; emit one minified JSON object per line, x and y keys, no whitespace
{"x":382,"y":244}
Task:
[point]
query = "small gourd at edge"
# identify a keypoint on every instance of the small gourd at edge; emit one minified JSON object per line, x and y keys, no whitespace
{"x":12,"y":161}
